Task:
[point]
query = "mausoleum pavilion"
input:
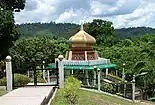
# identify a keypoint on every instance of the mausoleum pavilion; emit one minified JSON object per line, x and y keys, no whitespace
{"x":81,"y":54}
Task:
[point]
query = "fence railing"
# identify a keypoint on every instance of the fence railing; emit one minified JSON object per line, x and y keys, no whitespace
{"x":86,"y":63}
{"x":35,"y":73}
{"x":121,"y":89}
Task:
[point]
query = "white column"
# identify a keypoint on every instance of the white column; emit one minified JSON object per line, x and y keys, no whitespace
{"x":123,"y":74}
{"x":48,"y":76}
{"x":96,"y":53}
{"x":44,"y":71}
{"x":85,"y":55}
{"x":99,"y":79}
{"x":116,"y":73}
{"x":9,"y":73}
{"x":72,"y":72}
{"x":106,"y":72}
{"x":61,"y":74}
{"x":70,"y":55}
{"x":87,"y":80}
{"x":124,"y":89}
{"x":94,"y":78}
{"x":133,"y":88}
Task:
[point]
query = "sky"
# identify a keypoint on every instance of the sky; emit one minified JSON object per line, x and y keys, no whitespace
{"x":123,"y":13}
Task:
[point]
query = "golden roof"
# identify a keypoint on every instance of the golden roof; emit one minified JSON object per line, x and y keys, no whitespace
{"x":82,"y":39}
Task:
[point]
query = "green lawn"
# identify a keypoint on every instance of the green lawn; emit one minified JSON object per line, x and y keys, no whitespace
{"x":92,"y":98}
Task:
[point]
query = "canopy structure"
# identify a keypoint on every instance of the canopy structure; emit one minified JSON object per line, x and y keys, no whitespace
{"x":83,"y":67}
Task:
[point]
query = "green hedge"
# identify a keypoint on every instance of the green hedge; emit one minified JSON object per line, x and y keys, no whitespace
{"x":39,"y":80}
{"x":19,"y":80}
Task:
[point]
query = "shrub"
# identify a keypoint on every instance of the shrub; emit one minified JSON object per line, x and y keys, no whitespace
{"x":39,"y":80}
{"x":3,"y":81}
{"x":107,"y":87}
{"x":19,"y":80}
{"x":72,"y":86}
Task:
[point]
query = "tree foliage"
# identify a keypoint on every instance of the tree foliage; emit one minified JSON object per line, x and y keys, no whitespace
{"x":103,"y":31}
{"x":68,"y":29}
{"x":138,"y":55}
{"x":36,"y":50}
{"x":8,"y":30}
{"x":47,"y":29}
{"x":13,"y":5}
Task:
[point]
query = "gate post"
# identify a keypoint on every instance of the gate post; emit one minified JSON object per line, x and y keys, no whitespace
{"x":35,"y":75}
{"x":99,"y":79}
{"x":94,"y":79}
{"x":43,"y":67}
{"x":61,"y":71}
{"x":133,"y":88}
{"x":106,"y":73}
{"x":57,"y":69}
{"x":9,"y":73}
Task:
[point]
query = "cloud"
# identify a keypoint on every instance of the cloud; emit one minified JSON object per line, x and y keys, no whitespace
{"x":142,"y":16}
{"x":44,"y":12}
{"x":31,"y":5}
{"x":73,"y":16}
{"x":63,"y":5}
{"x":123,"y":13}
{"x":120,"y":7}
{"x":108,"y":2}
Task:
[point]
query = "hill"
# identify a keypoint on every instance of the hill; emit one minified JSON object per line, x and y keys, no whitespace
{"x":47,"y":29}
{"x":67,"y":29}
{"x":134,"y":31}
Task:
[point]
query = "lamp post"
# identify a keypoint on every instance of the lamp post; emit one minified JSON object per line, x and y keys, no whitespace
{"x":94,"y":80}
{"x":44,"y":71}
{"x":133,"y":88}
{"x":106,"y":73}
{"x":123,"y":74}
{"x":133,"y":84}
{"x":9,"y":73}
{"x":48,"y":73}
{"x":99,"y":79}
{"x":61,"y":71}
{"x":125,"y":88}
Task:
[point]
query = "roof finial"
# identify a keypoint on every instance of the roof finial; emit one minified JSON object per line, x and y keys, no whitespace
{"x":81,"y":25}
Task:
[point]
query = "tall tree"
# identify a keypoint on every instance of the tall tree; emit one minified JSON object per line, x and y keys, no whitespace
{"x":13,"y":5}
{"x":8,"y":30}
{"x":103,"y":31}
{"x":37,"y":49}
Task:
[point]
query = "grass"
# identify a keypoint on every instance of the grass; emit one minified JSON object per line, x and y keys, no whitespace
{"x":92,"y":98}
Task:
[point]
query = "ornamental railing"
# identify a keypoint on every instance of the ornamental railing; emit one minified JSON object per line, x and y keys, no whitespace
{"x":86,"y":63}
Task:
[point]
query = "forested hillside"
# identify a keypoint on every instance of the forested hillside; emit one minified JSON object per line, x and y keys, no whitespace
{"x":47,"y":29}
{"x":67,"y":29}
{"x":134,"y":31}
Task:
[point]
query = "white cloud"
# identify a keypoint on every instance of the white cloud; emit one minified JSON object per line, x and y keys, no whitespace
{"x":123,"y":13}
{"x":121,"y":7}
{"x":142,"y":16}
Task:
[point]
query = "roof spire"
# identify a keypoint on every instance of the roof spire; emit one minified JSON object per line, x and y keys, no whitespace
{"x":81,"y":25}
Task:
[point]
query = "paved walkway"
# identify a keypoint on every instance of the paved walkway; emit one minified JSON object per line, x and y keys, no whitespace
{"x":27,"y":96}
